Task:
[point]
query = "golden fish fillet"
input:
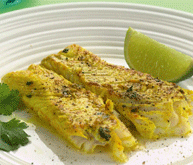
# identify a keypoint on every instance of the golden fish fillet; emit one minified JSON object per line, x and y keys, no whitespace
{"x":157,"y":108}
{"x":80,"y":116}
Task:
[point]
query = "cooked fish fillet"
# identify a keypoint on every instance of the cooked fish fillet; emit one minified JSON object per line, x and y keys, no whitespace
{"x":77,"y":114}
{"x":157,"y":108}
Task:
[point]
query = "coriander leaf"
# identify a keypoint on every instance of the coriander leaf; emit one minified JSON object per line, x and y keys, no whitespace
{"x":12,"y":135}
{"x":9,"y":100}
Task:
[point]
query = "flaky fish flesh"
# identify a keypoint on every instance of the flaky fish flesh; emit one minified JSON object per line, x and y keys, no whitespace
{"x":79,"y":115}
{"x":157,"y":108}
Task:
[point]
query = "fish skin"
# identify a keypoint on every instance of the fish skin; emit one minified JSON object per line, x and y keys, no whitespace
{"x":157,"y":108}
{"x":79,"y":115}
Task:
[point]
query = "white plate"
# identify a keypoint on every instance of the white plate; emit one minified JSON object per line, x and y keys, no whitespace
{"x":28,"y":35}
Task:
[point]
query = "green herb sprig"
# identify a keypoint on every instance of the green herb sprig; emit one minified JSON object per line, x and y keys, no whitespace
{"x":9,"y":100}
{"x":12,"y":134}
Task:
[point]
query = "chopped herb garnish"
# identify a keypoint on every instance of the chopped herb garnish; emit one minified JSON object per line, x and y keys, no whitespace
{"x":123,"y":106}
{"x":104,"y":133}
{"x":12,"y":135}
{"x":29,"y":83}
{"x":134,"y":110}
{"x":134,"y":95}
{"x":9,"y":100}
{"x":130,"y":89}
{"x":66,"y":50}
{"x":29,"y":96}
{"x":11,"y":132}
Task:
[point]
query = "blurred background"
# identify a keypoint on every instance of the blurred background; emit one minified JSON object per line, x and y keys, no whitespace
{"x":11,"y":5}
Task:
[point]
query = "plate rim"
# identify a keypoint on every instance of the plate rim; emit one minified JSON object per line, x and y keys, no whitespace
{"x":138,"y":6}
{"x":147,"y":6}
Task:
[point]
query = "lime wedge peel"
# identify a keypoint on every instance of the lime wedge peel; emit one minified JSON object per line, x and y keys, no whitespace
{"x":145,"y":54}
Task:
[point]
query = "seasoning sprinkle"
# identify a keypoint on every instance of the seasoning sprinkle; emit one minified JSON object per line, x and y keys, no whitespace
{"x":29,"y":96}
{"x":65,"y":50}
{"x":29,"y":83}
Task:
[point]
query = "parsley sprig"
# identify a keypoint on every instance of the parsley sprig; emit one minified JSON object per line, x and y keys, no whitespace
{"x":12,"y":133}
{"x":9,"y":100}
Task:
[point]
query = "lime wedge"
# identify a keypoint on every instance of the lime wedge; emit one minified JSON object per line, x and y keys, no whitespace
{"x":149,"y":56}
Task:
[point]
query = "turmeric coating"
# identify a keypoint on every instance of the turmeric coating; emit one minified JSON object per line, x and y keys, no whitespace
{"x":79,"y":115}
{"x":157,"y":108}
